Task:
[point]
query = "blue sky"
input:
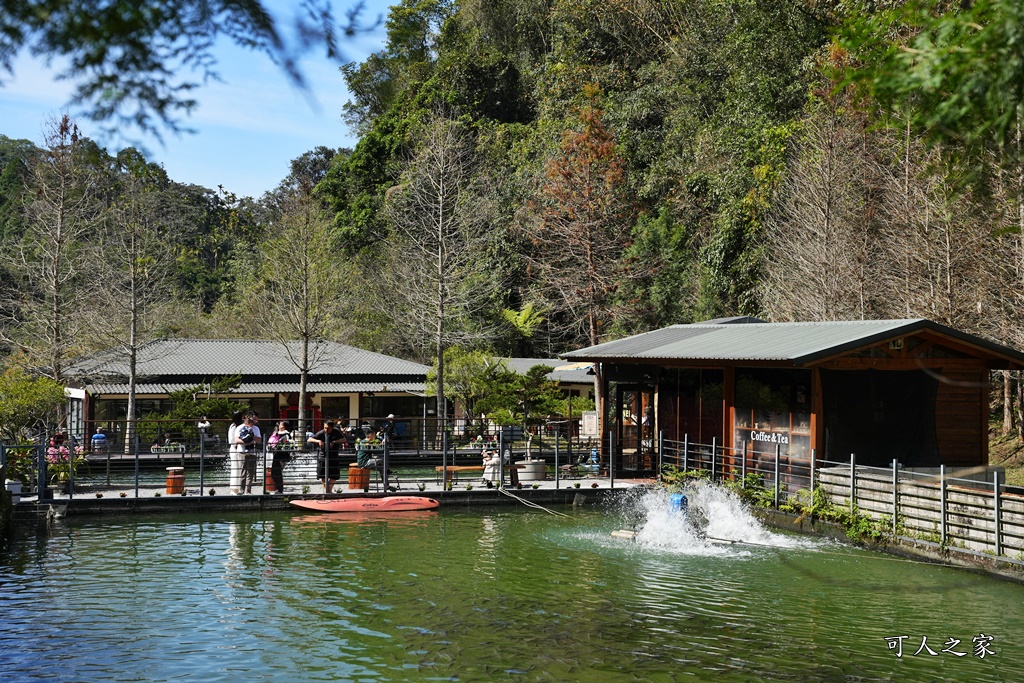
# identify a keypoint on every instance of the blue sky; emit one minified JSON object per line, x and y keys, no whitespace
{"x":247,"y":128}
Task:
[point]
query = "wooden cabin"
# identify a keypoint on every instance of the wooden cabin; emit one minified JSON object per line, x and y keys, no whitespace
{"x":911,"y":390}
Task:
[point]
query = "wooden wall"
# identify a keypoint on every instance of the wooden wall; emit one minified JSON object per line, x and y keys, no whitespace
{"x":961,"y":417}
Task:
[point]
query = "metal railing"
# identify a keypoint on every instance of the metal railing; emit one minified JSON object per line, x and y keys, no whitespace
{"x":975,"y":512}
{"x":782,"y":473}
{"x":203,"y":456}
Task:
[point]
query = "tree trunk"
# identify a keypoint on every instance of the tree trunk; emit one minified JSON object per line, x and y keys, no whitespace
{"x":1007,"y":403}
{"x":1020,"y":406}
{"x":303,"y":381}
{"x":442,"y":406}
{"x":130,"y":430}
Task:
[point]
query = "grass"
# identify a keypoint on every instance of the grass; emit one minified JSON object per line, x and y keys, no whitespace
{"x":1008,"y":452}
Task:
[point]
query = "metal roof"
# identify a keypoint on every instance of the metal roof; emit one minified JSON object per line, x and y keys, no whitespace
{"x":156,"y":389}
{"x":562,"y":372}
{"x":798,"y":343}
{"x":248,"y":357}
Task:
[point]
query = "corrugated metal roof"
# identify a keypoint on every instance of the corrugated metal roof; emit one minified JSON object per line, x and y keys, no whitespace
{"x":223,"y":357}
{"x":799,"y":343}
{"x":577,"y":375}
{"x":156,"y":389}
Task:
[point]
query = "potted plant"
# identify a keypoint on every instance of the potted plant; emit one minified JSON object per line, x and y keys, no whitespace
{"x":61,"y":464}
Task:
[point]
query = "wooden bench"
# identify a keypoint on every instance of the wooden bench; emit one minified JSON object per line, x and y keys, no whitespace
{"x":452,"y":471}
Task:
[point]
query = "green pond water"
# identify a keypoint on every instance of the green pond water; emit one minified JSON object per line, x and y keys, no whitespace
{"x":487,"y":594}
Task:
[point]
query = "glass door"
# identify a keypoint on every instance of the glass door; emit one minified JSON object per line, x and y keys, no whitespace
{"x":635,"y":420}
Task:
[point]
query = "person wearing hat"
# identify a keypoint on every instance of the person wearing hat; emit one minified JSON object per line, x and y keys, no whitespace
{"x":492,"y":467}
{"x":328,"y":459}
{"x":388,"y":430}
{"x":250,"y":439}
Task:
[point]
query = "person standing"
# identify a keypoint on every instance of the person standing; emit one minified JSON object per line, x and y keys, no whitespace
{"x":203,"y":426}
{"x":277,"y":441}
{"x":328,"y":460}
{"x":250,"y":438}
{"x":387,"y":432}
{"x":492,"y":467}
{"x":235,"y":454}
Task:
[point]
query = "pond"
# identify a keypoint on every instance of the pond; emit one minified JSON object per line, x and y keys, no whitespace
{"x":489,"y":594}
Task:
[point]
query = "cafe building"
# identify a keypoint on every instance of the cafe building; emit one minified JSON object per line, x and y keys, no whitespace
{"x":875,"y":390}
{"x":344,"y":383}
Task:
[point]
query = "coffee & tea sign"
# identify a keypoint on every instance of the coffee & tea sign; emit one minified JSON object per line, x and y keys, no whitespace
{"x":769,"y":437}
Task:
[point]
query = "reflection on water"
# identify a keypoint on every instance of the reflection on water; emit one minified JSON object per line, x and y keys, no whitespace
{"x":504,"y":594}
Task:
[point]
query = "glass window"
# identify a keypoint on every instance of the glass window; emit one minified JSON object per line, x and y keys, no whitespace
{"x":773,"y":409}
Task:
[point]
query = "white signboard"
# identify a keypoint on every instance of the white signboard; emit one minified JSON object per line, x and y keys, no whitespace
{"x":589,"y":424}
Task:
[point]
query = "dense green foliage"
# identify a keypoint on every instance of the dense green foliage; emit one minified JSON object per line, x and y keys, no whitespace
{"x":781,"y":158}
{"x":27,"y":404}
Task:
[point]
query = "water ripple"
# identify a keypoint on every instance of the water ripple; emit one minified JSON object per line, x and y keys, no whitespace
{"x":481,"y":595}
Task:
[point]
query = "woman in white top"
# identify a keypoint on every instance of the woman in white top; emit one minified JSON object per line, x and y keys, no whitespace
{"x":492,"y":466}
{"x":236,"y":454}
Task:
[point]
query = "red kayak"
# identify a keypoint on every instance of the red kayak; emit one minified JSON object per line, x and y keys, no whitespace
{"x":402,"y":518}
{"x":388,"y":504}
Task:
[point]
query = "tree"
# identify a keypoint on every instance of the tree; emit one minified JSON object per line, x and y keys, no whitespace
{"x":300,"y":279}
{"x":15,"y":157}
{"x":819,"y":259}
{"x":436,"y":268}
{"x":127,"y":57}
{"x":468,"y":377}
{"x":28,"y":404}
{"x":524,"y":323}
{"x":957,"y":67}
{"x":525,"y":400}
{"x":189,"y":406}
{"x":582,"y":228}
{"x":50,"y":263}
{"x":133,"y":265}
{"x":954,"y":72}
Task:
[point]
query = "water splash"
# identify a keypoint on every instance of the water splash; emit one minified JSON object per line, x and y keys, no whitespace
{"x":716,"y":522}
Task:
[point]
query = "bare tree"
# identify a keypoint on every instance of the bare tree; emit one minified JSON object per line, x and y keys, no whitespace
{"x":42,"y":310}
{"x":132,"y":263}
{"x":934,"y":238}
{"x":300,"y":280}
{"x":581,"y":229}
{"x":1006,"y":280}
{"x":436,"y":265}
{"x":819,"y":260}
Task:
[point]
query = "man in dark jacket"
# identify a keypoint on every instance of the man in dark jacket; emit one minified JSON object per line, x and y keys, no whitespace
{"x":328,"y":460}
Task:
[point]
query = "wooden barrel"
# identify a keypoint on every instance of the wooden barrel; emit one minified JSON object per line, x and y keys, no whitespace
{"x":269,"y":479}
{"x":175,"y":480}
{"x":358,"y":477}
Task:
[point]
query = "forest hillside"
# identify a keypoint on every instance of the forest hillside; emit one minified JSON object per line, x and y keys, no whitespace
{"x":533,"y":176}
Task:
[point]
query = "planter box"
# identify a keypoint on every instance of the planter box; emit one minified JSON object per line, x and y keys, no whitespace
{"x":532,"y":470}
